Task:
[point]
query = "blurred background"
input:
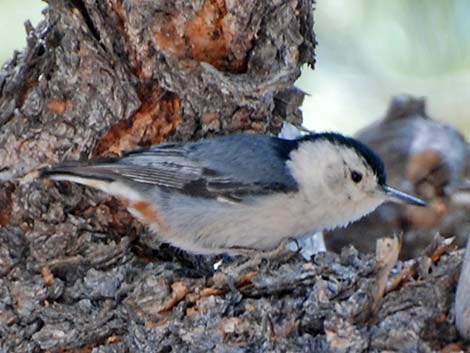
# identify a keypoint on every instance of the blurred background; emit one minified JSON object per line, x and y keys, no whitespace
{"x":368,"y":51}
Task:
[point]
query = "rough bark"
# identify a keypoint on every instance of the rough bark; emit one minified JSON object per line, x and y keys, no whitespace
{"x":78,"y":274}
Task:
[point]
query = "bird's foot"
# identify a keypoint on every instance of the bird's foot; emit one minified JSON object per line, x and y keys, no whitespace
{"x":258,"y":258}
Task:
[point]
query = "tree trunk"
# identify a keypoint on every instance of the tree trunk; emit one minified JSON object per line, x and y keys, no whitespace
{"x":79,"y":274}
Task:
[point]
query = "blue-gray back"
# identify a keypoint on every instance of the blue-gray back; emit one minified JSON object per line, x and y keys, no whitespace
{"x":232,"y":166}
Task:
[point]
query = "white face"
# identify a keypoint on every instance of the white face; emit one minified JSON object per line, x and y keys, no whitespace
{"x":336,"y":179}
{"x":350,"y":180}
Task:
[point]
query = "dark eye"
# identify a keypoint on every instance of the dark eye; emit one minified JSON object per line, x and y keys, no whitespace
{"x":356,"y":176}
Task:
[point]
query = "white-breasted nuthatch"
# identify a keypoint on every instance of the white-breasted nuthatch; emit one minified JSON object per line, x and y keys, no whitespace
{"x":242,"y":192}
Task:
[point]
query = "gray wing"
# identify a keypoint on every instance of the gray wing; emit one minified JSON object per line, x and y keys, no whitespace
{"x":233,"y":167}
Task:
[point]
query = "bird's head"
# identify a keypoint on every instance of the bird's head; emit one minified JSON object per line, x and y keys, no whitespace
{"x":344,"y":176}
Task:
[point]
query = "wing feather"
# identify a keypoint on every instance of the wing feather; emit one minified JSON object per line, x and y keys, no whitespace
{"x":199,"y":169}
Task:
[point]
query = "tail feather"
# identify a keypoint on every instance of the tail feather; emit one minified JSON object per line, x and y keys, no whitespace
{"x":100,"y":169}
{"x":67,"y":172}
{"x":98,"y":176}
{"x":81,"y":172}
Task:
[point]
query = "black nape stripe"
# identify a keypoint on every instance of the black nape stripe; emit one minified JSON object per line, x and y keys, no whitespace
{"x":372,"y":159}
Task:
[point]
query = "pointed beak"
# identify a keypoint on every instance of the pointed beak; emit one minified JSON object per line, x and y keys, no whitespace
{"x":395,"y":195}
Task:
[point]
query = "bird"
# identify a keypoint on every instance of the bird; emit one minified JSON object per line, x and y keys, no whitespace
{"x":241,"y":193}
